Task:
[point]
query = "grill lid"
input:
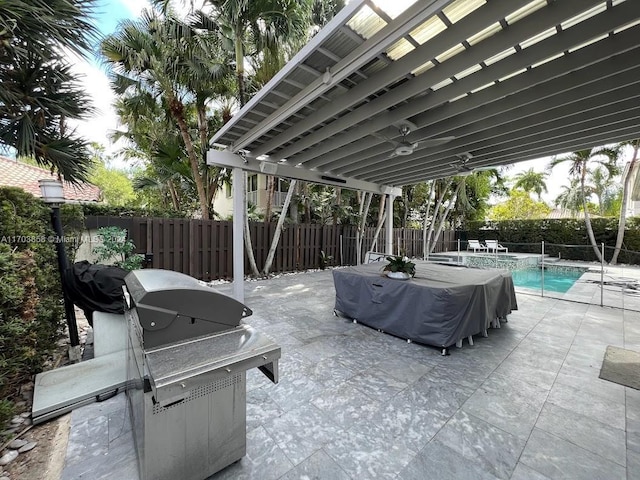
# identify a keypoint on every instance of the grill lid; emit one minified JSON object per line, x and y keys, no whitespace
{"x":162,"y":296}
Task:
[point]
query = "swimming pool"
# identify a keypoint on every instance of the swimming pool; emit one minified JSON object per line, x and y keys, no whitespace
{"x":554,"y":280}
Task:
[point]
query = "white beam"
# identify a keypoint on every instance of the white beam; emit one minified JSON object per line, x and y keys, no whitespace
{"x":239,"y":212}
{"x":227,"y":159}
{"x":389,"y":231}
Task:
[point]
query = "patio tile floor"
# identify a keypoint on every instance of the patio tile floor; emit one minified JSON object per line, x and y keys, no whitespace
{"x":354,"y":403}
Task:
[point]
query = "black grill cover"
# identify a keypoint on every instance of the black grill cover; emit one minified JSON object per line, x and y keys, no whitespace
{"x":95,"y":287}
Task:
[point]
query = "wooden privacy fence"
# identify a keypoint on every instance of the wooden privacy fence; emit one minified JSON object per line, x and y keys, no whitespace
{"x":204,"y":248}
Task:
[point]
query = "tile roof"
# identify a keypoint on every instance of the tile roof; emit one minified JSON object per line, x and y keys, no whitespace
{"x":17,"y":174}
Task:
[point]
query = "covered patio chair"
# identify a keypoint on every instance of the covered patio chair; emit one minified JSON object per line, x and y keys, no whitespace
{"x":475,"y":245}
{"x":495,"y":246}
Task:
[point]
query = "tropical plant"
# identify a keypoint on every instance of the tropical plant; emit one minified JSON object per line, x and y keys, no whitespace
{"x":165,"y":58}
{"x":40,"y":93}
{"x":532,"y":181}
{"x":117,"y":248}
{"x":401,"y":264}
{"x":629,"y":172}
{"x":580,"y":162}
{"x":519,"y":206}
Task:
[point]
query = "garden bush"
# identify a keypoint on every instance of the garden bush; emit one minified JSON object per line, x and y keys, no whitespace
{"x":566,"y":238}
{"x":31,"y":308}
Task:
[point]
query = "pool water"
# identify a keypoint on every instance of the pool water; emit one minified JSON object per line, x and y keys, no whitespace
{"x":554,"y":281}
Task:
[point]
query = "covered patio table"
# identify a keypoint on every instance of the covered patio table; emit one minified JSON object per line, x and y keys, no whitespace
{"x":439,"y":306}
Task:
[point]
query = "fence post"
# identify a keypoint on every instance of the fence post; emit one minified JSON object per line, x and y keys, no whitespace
{"x":542,"y":269}
{"x":602,"y":275}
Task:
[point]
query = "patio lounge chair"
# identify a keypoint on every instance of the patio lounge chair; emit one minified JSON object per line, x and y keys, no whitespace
{"x":371,"y":257}
{"x":495,"y":246}
{"x":475,"y":245}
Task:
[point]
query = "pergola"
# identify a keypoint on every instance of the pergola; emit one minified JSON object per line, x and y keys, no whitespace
{"x":392,"y":93}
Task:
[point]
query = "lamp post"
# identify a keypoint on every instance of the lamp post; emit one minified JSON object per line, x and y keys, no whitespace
{"x":53,"y":194}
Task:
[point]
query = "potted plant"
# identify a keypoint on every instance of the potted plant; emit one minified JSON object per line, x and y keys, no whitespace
{"x":399,"y":267}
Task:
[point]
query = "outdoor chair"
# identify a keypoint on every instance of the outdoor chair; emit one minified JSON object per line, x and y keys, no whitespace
{"x":475,"y":245}
{"x":370,"y":257}
{"x":495,"y":246}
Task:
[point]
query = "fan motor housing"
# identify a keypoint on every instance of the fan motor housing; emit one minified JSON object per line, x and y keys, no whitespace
{"x":404,"y":150}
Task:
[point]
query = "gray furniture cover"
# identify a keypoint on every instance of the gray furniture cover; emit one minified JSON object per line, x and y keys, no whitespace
{"x":439,"y":306}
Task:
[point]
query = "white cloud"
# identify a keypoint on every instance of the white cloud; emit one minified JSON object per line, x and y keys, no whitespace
{"x":135,"y":7}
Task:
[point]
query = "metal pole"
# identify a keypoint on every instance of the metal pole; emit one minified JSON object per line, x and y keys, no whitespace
{"x":458,"y":251}
{"x":63,"y":266}
{"x":542,"y":269}
{"x":602,"y":276}
{"x":341,"y":257}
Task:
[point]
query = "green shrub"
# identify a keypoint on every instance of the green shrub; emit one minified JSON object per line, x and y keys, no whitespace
{"x":31,"y":310}
{"x":117,"y":248}
{"x":567,"y":237}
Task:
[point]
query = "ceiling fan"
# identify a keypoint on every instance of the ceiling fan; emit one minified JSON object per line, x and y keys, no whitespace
{"x":406,"y":146}
{"x":462,"y":166}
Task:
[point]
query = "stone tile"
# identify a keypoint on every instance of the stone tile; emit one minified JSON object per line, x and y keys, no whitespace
{"x":330,"y":371}
{"x":403,"y":369}
{"x":343,"y":403}
{"x":522,"y":472}
{"x":492,"y":449}
{"x":507,"y":403}
{"x":302,"y":431}
{"x":260,"y":408}
{"x":377,"y":385}
{"x":576,"y":377}
{"x":559,"y":459}
{"x":438,"y":461}
{"x":119,"y":424}
{"x":633,"y":465}
{"x":317,"y":466}
{"x":584,"y":432}
{"x":264,"y":460}
{"x":89,"y":438}
{"x":609,"y":413}
{"x":364,"y":456}
{"x":293,"y":391}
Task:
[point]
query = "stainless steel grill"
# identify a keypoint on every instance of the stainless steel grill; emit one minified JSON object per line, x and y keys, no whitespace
{"x":187,"y":360}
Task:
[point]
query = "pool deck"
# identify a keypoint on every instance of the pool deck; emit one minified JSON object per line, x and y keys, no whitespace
{"x":354,"y":403}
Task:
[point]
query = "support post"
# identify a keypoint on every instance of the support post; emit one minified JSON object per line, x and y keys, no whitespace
{"x":63,"y":266}
{"x":239,"y":212}
{"x":542,"y":268}
{"x":602,"y":275}
{"x":389,"y":236}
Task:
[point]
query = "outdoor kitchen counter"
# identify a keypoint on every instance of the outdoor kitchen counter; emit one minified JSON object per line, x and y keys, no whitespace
{"x":439,"y":306}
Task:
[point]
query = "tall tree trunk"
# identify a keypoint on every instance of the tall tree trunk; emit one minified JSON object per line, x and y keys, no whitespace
{"x":177,"y":110}
{"x":426,"y":219}
{"x":295,"y":204}
{"x":443,"y":218}
{"x":436,"y":213}
{"x":249,"y":246}
{"x":365,"y":203}
{"x":174,"y":195}
{"x":240,"y":67}
{"x":276,"y":235}
{"x":270,"y":188}
{"x":337,"y":205}
{"x":587,"y":218}
{"x":381,"y":219}
{"x":625,"y":199}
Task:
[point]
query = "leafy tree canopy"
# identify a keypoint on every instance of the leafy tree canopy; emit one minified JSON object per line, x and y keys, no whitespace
{"x":519,"y":206}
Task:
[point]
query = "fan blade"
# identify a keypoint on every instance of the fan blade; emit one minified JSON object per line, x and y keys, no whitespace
{"x":386,"y":139}
{"x":434,"y":142}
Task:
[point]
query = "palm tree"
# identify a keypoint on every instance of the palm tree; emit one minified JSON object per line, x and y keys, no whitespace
{"x":252,"y":28}
{"x":580,"y":162}
{"x":626,"y":187}
{"x":166,"y":58}
{"x":39,"y":91}
{"x":570,"y":198}
{"x":532,"y":181}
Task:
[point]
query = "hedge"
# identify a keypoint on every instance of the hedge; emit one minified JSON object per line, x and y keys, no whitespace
{"x":526,"y":236}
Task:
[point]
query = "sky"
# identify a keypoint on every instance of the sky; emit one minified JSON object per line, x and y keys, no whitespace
{"x":96,"y":83}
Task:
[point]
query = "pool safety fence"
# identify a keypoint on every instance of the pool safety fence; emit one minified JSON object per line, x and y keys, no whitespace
{"x":600,"y":282}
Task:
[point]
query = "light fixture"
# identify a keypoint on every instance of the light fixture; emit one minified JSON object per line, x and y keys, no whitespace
{"x":268,"y":168}
{"x":51,"y":190}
